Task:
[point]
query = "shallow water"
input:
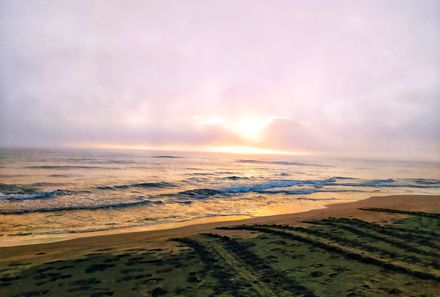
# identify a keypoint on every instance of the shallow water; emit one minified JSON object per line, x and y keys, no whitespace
{"x":44,"y":193}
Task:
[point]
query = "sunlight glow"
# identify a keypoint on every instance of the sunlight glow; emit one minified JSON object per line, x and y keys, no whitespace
{"x":249,"y":150}
{"x":250,"y":128}
{"x":244,"y":150}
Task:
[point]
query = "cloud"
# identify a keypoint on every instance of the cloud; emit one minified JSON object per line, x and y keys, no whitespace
{"x":341,"y":77}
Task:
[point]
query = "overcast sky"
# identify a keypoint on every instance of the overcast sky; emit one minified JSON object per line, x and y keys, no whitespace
{"x":355,"y":78}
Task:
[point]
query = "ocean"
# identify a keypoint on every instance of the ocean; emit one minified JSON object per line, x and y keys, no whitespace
{"x":49,"y":195}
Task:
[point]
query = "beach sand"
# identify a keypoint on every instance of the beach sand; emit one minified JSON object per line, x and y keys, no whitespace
{"x":346,"y":251}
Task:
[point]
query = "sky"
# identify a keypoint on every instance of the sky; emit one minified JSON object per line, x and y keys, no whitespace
{"x":341,"y":78}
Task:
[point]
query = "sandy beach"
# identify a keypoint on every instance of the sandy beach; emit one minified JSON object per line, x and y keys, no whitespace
{"x":381,"y":246}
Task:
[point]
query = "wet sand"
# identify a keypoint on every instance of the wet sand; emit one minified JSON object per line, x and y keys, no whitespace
{"x":158,"y":238}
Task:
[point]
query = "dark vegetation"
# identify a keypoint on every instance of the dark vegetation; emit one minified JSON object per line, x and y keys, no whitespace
{"x":331,"y":257}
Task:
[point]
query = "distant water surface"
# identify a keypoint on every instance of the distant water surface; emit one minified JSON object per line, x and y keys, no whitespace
{"x":45,"y":193}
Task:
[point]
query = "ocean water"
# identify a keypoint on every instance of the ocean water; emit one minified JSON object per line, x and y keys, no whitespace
{"x":50,"y":194}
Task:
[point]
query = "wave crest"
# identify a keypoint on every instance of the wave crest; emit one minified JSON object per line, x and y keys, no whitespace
{"x":35,"y":195}
{"x":139,"y":185}
{"x":80,"y":207}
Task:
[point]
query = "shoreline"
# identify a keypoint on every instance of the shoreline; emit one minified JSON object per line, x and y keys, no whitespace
{"x":70,"y":247}
{"x":38,"y":239}
{"x":14,"y":241}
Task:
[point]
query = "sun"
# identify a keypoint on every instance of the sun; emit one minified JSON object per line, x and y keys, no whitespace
{"x":249,"y":128}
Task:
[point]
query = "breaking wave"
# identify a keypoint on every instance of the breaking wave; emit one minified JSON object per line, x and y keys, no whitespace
{"x":81,"y":207}
{"x":199,"y":193}
{"x":35,"y":195}
{"x":13,"y":192}
{"x":313,"y":186}
{"x":139,"y":185}
{"x":10,"y":193}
